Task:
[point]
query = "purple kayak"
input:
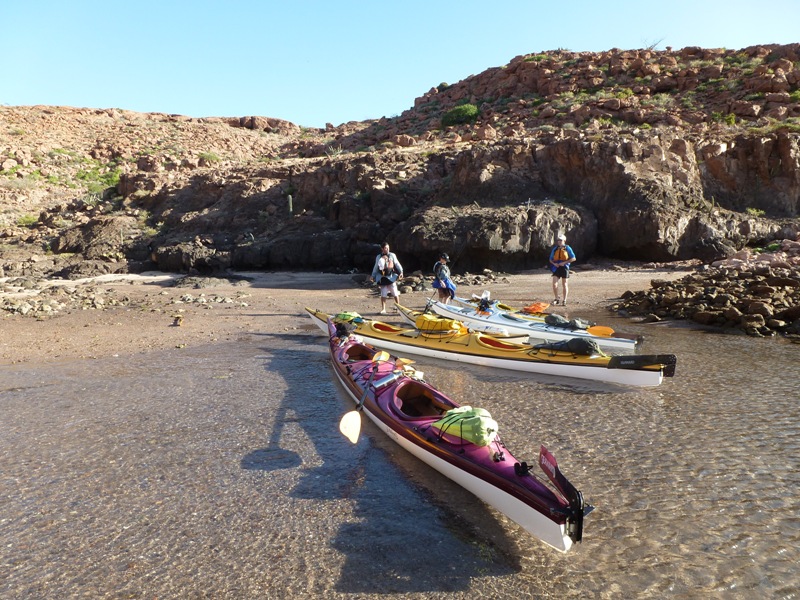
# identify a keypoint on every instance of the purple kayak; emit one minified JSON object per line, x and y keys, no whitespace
{"x":458,"y":441}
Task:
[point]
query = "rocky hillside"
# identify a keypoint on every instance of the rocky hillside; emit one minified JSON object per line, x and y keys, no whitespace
{"x":635,"y":154}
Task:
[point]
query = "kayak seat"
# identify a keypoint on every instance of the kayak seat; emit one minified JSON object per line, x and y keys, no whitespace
{"x":378,"y":326}
{"x":416,"y":400}
{"x":499,"y":344}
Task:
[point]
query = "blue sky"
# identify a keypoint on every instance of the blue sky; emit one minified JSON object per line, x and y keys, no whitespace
{"x":313,"y":62}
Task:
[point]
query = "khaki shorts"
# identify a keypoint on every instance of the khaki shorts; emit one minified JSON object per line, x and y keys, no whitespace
{"x":389,"y":290}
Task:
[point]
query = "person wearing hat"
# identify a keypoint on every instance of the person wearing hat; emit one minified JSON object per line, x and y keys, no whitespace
{"x":560,"y":258}
{"x":441,"y":279}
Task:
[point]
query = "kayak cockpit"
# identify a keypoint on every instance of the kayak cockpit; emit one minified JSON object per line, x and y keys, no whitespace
{"x":357,"y":352}
{"x":412,"y":399}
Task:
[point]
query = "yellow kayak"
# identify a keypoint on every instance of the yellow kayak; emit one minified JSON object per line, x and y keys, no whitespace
{"x":569,"y":358}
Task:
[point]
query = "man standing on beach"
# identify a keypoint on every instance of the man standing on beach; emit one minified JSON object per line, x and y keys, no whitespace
{"x":385,"y":273}
{"x":560,"y":258}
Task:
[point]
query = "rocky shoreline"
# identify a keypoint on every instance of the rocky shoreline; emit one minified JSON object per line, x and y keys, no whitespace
{"x":44,"y":319}
{"x":758,"y":294}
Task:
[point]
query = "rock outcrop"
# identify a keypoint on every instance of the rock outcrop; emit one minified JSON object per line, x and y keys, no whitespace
{"x":634,"y":154}
{"x":756,"y":294}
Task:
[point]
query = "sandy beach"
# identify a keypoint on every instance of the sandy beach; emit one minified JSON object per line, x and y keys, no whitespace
{"x":262,"y":301}
{"x":143,"y":459}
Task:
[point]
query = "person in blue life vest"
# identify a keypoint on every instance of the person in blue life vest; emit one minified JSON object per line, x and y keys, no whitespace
{"x":442,"y":281}
{"x":386,"y":272}
{"x":560,"y":258}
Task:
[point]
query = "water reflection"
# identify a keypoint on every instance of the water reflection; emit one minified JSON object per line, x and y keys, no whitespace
{"x":220,"y":471}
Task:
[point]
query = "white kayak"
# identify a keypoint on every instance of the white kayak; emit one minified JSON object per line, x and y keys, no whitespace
{"x":488,"y":320}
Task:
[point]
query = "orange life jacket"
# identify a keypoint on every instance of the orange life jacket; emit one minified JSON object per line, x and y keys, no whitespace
{"x":561,"y":254}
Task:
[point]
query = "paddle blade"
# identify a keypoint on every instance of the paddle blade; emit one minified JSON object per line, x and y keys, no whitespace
{"x":411,"y":372}
{"x":350,"y":425}
{"x":381,"y":356}
{"x":536,"y":308}
{"x":601,"y":330}
{"x":401,"y":362}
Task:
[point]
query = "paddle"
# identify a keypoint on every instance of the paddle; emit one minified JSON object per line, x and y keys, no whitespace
{"x":430,"y":301}
{"x":350,"y":424}
{"x":601,"y":330}
{"x":401,"y":362}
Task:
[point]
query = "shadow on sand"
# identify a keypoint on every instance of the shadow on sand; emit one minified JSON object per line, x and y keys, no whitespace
{"x":414,"y":530}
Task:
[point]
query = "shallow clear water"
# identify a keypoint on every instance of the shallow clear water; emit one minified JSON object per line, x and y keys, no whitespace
{"x":219,"y":471}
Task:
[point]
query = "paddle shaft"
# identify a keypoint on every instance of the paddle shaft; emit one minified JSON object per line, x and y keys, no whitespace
{"x":428,"y":303}
{"x":360,"y":404}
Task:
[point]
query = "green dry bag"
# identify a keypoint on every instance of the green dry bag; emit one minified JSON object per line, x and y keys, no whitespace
{"x":348,"y":317}
{"x":472,"y":424}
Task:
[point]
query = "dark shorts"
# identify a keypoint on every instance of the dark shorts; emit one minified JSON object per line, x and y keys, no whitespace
{"x":561,"y":273}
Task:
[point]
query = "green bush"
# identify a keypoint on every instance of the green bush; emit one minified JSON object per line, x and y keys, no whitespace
{"x":210,"y":157}
{"x":27,"y":221}
{"x":466,"y":113}
{"x":98,"y":177}
{"x":718,"y":117}
{"x":790,"y":125}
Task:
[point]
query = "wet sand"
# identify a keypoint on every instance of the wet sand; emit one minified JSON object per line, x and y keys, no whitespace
{"x":143,"y":459}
